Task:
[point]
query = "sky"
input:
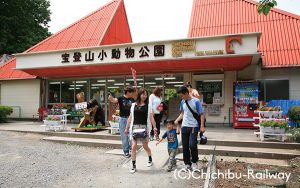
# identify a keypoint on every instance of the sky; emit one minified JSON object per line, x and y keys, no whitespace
{"x":149,"y":20}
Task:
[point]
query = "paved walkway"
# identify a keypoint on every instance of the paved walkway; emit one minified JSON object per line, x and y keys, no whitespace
{"x":159,"y":153}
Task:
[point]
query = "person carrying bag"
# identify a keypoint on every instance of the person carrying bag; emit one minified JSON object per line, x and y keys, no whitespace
{"x":189,"y":127}
{"x":203,"y":138}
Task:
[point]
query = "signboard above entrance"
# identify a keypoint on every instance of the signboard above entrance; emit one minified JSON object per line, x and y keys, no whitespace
{"x":190,"y":48}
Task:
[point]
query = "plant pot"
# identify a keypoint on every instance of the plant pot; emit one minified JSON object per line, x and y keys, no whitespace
{"x":272,"y":130}
{"x":51,"y":123}
{"x":64,"y":111}
{"x":266,"y":114}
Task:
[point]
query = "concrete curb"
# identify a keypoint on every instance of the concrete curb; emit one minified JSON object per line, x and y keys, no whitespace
{"x":211,"y":168}
{"x":235,"y":143}
{"x":69,"y":134}
{"x":249,"y":153}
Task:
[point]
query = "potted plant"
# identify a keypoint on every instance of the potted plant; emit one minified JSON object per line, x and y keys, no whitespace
{"x":52,"y":121}
{"x":270,"y":112}
{"x":61,"y":106}
{"x":274,"y":127}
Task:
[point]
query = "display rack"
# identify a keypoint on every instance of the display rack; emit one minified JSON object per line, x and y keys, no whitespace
{"x":264,"y":116}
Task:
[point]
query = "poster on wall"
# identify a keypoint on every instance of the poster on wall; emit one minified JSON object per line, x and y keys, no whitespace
{"x":214,"y":109}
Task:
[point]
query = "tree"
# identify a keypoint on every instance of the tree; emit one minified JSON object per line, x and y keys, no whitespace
{"x":23,"y":24}
{"x":265,"y":6}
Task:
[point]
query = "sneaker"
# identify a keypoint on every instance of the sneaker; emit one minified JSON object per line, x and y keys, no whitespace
{"x":195,"y":166}
{"x":132,"y":170}
{"x":127,"y":155}
{"x":150,"y":163}
{"x":187,"y":167}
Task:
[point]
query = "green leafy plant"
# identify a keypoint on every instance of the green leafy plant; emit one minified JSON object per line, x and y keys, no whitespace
{"x":265,"y":6}
{"x":295,"y":134}
{"x":275,"y":123}
{"x":4,"y":112}
{"x":294,"y":114}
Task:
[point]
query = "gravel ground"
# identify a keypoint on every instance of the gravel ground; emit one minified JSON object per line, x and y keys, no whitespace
{"x":27,"y":161}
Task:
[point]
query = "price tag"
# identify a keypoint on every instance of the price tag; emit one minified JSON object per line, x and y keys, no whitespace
{"x":79,"y":106}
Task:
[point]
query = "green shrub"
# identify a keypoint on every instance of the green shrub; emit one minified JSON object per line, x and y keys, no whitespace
{"x":4,"y":112}
{"x":295,"y":134}
{"x":275,"y":123}
{"x":294,"y":114}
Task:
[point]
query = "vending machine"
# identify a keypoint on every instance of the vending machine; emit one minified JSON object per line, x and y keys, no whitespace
{"x":245,"y":102}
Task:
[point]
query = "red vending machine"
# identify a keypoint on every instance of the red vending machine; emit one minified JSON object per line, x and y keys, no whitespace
{"x":245,"y":102}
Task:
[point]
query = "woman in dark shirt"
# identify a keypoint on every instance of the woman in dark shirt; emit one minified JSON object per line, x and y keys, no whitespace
{"x":140,"y":118}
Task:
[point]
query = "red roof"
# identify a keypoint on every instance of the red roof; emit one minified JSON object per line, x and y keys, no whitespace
{"x":280,"y":39}
{"x":107,"y":25}
{"x":7,"y":71}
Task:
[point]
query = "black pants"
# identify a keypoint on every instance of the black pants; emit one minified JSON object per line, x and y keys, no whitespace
{"x":157,"y":118}
{"x":189,"y":144}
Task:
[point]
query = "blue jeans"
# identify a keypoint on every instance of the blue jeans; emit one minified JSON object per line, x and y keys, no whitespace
{"x":124,"y":138}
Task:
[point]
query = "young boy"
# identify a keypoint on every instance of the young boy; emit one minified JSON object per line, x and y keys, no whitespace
{"x":172,"y":143}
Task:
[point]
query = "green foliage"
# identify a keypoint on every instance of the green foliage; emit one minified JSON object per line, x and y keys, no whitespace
{"x":265,"y":6}
{"x":4,"y":112}
{"x":280,"y":124}
{"x":295,"y":134}
{"x":23,"y":24}
{"x":294,"y":114}
{"x":170,"y":93}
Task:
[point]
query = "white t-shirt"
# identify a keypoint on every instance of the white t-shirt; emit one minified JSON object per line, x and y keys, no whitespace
{"x":154,"y":102}
{"x":188,"y":118}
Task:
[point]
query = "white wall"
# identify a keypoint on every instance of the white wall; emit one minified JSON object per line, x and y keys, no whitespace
{"x":23,"y":93}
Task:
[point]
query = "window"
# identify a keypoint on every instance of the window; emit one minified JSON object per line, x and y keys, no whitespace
{"x":97,"y":90}
{"x":152,"y":82}
{"x":209,"y":89}
{"x":67,"y":91}
{"x":277,"y":90}
{"x":54,"y":91}
{"x":115,"y":86}
{"x":139,"y":80}
{"x":81,"y":86}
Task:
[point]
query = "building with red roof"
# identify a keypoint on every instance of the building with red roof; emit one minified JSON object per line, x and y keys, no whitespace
{"x":228,"y":41}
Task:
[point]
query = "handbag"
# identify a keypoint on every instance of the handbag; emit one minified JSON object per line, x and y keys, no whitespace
{"x":160,"y":107}
{"x":140,"y":133}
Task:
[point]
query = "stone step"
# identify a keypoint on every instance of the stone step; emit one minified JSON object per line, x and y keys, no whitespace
{"x":265,"y":153}
{"x":203,"y":158}
{"x":254,"y":144}
{"x":103,"y":134}
{"x":115,"y":144}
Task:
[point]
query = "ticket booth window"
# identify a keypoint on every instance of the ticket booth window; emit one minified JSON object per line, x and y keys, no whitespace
{"x":208,"y":89}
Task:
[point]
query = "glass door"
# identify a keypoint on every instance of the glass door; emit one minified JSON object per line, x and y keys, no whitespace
{"x":171,"y":98}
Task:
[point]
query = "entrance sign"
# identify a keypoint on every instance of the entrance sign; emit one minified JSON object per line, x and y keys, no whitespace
{"x":183,"y":49}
